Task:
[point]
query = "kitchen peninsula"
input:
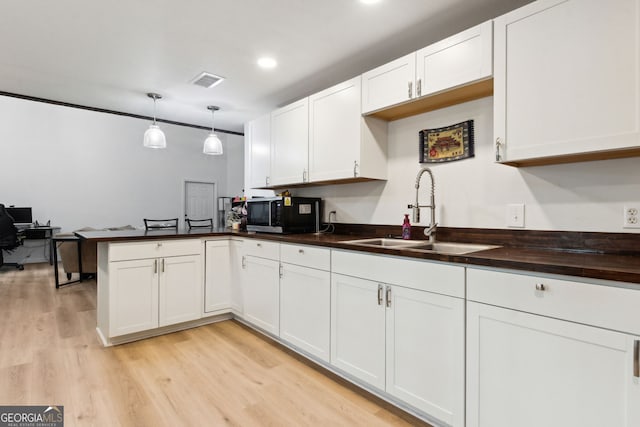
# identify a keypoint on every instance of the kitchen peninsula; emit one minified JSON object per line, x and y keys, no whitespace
{"x":299,"y":290}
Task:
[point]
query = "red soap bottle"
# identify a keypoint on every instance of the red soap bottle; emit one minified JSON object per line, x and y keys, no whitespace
{"x":406,"y":228}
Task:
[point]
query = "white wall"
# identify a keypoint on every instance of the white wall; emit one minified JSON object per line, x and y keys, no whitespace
{"x":82,"y":168}
{"x":475,"y":192}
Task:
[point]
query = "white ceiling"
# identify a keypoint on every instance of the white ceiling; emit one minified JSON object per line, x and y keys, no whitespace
{"x":109,"y":54}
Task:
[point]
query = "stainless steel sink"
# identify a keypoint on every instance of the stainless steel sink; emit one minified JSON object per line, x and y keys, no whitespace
{"x":386,"y":242}
{"x":448,"y":248}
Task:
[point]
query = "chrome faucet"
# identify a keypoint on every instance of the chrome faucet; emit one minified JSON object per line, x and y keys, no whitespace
{"x":429,"y":231}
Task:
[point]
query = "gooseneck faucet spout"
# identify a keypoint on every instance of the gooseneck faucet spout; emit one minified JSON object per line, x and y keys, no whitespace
{"x":429,"y":231}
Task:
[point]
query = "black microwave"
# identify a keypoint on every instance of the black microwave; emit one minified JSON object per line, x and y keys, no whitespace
{"x":284,"y":214}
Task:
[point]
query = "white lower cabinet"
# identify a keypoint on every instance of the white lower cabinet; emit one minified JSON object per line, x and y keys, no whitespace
{"x":305,"y":309}
{"x":425,"y":352}
{"x":357,"y":328}
{"x":527,"y":369}
{"x":146,"y":285}
{"x":133,"y":296}
{"x":149,"y":293}
{"x":217,"y":276}
{"x":180,"y":296}
{"x":261,"y":292}
{"x":406,"y":342}
{"x":235,"y":259}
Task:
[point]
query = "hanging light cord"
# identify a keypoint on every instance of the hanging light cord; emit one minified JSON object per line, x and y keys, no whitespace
{"x":154,"y":110}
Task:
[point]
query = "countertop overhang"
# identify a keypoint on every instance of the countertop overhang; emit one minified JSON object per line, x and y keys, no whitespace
{"x":616,"y":267}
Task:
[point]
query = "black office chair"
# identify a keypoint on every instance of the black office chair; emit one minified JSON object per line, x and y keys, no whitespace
{"x":9,"y":237}
{"x":155,"y":224}
{"x":199,"y":223}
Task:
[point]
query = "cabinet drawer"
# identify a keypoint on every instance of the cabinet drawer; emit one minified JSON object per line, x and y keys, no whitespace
{"x":421,"y":275}
{"x":261,"y":248}
{"x":306,"y":256}
{"x":153,"y":249}
{"x":592,"y":304}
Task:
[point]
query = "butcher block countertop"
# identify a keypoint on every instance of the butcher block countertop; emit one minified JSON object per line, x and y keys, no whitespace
{"x":606,"y":256}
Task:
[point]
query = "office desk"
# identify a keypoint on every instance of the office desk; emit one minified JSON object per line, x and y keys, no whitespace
{"x":42,"y":233}
{"x":31,"y":235}
{"x":54,"y":249}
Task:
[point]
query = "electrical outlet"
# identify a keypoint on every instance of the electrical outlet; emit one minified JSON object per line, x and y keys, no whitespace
{"x":631,"y":217}
{"x":515,"y":215}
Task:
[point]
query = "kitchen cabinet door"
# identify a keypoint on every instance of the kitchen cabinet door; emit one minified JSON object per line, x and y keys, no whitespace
{"x":217,"y":282}
{"x":567,"y":81}
{"x":530,"y":370}
{"x":358,"y":328}
{"x":334,"y":132}
{"x":343,"y":144}
{"x":290,"y":143}
{"x":389,"y":84}
{"x":458,"y":60}
{"x":180,"y":289}
{"x":261,"y":293}
{"x":425,"y":352}
{"x":133,"y":296}
{"x":305,"y":309}
{"x":258,"y":134}
{"x":235,"y":252}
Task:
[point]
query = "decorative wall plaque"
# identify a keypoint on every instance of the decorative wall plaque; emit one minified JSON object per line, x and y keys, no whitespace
{"x":447,"y":144}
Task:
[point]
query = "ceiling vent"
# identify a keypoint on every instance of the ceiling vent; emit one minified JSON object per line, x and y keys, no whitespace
{"x":207,"y":80}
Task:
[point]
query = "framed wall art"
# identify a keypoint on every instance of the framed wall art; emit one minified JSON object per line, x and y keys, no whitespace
{"x":447,"y":144}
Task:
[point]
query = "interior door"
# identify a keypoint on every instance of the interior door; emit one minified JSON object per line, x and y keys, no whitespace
{"x":199,"y":200}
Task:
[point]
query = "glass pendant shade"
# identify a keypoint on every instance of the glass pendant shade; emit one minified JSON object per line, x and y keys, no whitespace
{"x":154,"y":138}
{"x":212,"y":145}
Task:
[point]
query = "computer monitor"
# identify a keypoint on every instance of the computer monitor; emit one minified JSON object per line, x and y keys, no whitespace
{"x":20,"y":215}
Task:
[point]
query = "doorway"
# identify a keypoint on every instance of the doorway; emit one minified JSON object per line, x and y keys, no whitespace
{"x":200,"y":200}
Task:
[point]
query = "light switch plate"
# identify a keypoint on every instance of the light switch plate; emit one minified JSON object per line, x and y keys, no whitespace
{"x":515,"y":215}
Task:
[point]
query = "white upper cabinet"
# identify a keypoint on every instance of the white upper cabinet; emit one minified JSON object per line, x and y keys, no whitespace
{"x":457,"y":60}
{"x":389,"y":84}
{"x":290,"y":144}
{"x":567,"y":81}
{"x":456,"y":69}
{"x":342,"y":144}
{"x":258,"y":134}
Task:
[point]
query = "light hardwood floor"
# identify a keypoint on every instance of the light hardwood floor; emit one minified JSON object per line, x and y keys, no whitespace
{"x":221,"y":374}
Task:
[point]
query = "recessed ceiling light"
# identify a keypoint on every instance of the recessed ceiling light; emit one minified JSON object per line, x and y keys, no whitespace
{"x":267,"y":63}
{"x":369,"y":1}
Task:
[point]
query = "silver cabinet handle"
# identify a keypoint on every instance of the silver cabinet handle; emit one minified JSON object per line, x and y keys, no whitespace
{"x":410,"y":90}
{"x":355,"y":168}
{"x":636,"y":358}
{"x":388,"y":296}
{"x":540,"y":287}
{"x":266,"y":181}
{"x":159,"y":244}
{"x":379,"y":294}
{"x":163,"y":265}
{"x":280,"y":271}
{"x":259,"y":245}
{"x":244,"y":262}
{"x":304,"y":175}
{"x":498,"y":146}
{"x":155,"y":266}
{"x":419,"y":87}
{"x":300,"y":251}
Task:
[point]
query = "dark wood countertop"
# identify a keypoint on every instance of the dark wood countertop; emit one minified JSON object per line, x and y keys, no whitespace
{"x":620,"y":267}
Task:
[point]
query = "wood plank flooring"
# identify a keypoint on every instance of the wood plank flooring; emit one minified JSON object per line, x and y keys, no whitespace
{"x":215,"y":375}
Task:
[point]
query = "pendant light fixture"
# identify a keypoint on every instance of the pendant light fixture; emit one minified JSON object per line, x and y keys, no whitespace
{"x":212,"y":145}
{"x":154,"y":137}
